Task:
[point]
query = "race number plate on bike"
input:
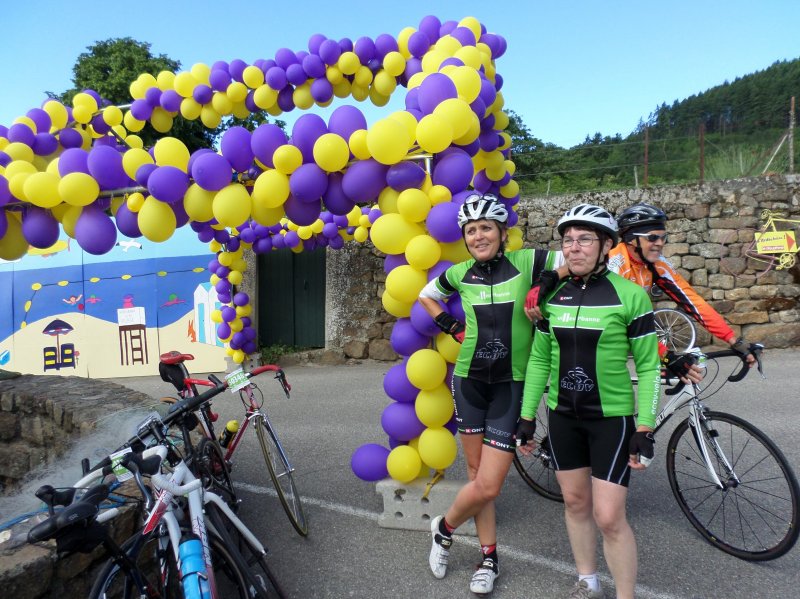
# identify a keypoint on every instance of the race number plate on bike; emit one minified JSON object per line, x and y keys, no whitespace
{"x":237,"y":380}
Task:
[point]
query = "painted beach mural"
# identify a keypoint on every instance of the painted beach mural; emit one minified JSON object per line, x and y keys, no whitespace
{"x":72,"y":313}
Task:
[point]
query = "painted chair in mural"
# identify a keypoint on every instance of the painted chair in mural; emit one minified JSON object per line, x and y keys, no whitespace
{"x":67,"y":355}
{"x":51,"y":358}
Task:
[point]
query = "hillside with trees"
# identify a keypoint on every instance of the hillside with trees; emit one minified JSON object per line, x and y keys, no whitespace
{"x":742,"y":123}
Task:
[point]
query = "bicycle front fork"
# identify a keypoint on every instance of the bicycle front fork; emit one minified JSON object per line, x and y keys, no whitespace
{"x":705,"y":436}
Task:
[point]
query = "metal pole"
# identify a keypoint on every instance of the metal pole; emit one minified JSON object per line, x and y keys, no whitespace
{"x":646,"y":149}
{"x":702,"y":153}
{"x":791,"y":137}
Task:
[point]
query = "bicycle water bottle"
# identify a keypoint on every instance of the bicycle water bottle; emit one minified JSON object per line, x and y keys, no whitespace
{"x":194,"y":577}
{"x":231,"y":428}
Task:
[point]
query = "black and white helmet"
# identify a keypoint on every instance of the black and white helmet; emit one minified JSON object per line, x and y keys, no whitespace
{"x":588,"y":215}
{"x":640,"y":217}
{"x":482,"y":207}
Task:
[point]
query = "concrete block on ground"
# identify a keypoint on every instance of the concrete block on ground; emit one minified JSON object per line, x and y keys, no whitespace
{"x":405,"y":507}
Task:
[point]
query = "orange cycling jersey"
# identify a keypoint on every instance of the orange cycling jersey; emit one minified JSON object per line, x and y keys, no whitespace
{"x":674,"y":285}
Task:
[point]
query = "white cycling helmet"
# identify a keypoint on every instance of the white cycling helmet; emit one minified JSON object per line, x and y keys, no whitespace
{"x":594,"y":217}
{"x":482,"y":207}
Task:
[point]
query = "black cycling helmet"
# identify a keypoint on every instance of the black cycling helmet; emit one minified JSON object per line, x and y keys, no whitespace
{"x":589,"y":215}
{"x":482,"y":207}
{"x":640,"y":216}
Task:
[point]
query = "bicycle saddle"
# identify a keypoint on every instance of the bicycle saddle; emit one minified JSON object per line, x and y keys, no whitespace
{"x":175,"y":357}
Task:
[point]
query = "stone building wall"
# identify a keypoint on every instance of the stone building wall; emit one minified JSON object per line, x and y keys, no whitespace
{"x":701,"y":219}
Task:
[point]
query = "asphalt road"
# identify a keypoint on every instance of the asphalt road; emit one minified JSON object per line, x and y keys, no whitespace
{"x":335,"y":409}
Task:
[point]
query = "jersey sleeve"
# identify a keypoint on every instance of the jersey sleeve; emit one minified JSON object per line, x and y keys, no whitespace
{"x":679,"y":290}
{"x":441,"y":287}
{"x":644,"y":347}
{"x":538,"y":370}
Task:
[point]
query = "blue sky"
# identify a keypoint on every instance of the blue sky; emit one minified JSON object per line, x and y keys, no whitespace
{"x":572,"y":67}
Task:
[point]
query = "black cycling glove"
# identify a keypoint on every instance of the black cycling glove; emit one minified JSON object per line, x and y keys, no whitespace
{"x":643,"y":444}
{"x":525,"y":431}
{"x":679,"y":364}
{"x":741,"y":346}
{"x":451,"y":326}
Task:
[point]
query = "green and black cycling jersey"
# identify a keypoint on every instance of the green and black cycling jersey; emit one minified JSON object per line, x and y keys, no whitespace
{"x":498,"y":335}
{"x":582,"y":345}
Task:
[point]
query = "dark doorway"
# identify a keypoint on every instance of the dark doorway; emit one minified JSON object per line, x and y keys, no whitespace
{"x":291,"y":298}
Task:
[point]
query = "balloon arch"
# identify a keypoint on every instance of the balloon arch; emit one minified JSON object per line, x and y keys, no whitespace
{"x":398,"y":182}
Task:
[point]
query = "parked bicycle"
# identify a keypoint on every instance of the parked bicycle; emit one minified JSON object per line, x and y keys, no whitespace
{"x":173,"y":369}
{"x":729,"y":478}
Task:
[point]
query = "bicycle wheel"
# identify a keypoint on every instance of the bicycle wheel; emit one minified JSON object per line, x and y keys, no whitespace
{"x":674,"y":329}
{"x":537,"y":468}
{"x":281,"y":474}
{"x":214,"y":472}
{"x":755,"y":516}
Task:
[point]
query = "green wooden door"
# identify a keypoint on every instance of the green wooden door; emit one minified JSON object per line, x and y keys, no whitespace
{"x":291,"y":298}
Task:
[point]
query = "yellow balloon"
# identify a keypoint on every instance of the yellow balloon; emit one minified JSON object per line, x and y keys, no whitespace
{"x":134,"y":158}
{"x":377,"y":98}
{"x":361,"y":234}
{"x":41,"y":189}
{"x":231,"y":205}
{"x":331,"y":152}
{"x":456,"y":112}
{"x":210,"y":117}
{"x":287,"y":159}
{"x":434,"y":133}
{"x":348,"y":63}
{"x":408,"y":121}
{"x":197,"y":203}
{"x":473,"y":130}
{"x":165,"y":80}
{"x":402,"y":40}
{"x":437,"y":447}
{"x":514,"y":239}
{"x":271,"y":189}
{"x":394,"y":63}
{"x":454,"y":251}
{"x":112,"y":116}
{"x":426,"y":369}
{"x":70,"y":218}
{"x":201,"y":72}
{"x":363,"y":76}
{"x":387,"y":200}
{"x":470,"y":56}
{"x":448,"y":347}
{"x":78,"y":189}
{"x":414,"y":204}
{"x":156,"y":220}
{"x":170,"y":151}
{"x":84,"y":99}
{"x":131,"y":123}
{"x":358,"y":144}
{"x":265,"y":96}
{"x":236,"y":91}
{"x":235,"y":277}
{"x":391,"y":233}
{"x":468,"y":82}
{"x":82,"y":114}
{"x":473,"y":24}
{"x":135,"y":202}
{"x":334,"y":75}
{"x":422,"y":252}
{"x":394,"y":306}
{"x":57,"y":112}
{"x":13,"y":244}
{"x":432,"y":60}
{"x":434,"y":407}
{"x":221,"y":103}
{"x":403,"y":463}
{"x":161,"y":120}
{"x":185,"y":83}
{"x":387,"y":141}
{"x":384,"y":83}
{"x":190,"y":109}
{"x":510,"y":189}
{"x":19,"y":151}
{"x":253,"y":76}
{"x":405,"y":282}
{"x":439,"y":194}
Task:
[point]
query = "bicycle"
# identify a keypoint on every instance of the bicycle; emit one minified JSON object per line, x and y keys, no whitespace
{"x":731,"y":481}
{"x":748,"y":254}
{"x":675,"y":329}
{"x":173,"y":369}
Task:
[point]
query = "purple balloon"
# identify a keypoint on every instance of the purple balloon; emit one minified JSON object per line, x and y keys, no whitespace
{"x":434,"y":89}
{"x":105,"y":165}
{"x":346,"y":44}
{"x":438,"y":268}
{"x":405,"y":339}
{"x":454,"y":171}
{"x":442,"y":222}
{"x":397,"y":386}
{"x":295,"y":74}
{"x":286,"y":99}
{"x":384,"y":44}
{"x":369,"y":462}
{"x":202,"y":94}
{"x":141,"y":110}
{"x":329,"y":51}
{"x":265,"y":140}
{"x":40,"y":118}
{"x":405,"y":175}
{"x":418,"y":44}
{"x":481,"y":182}
{"x":127,"y":222}
{"x":314,"y":42}
{"x":276,"y":78}
{"x":364,"y":49}
{"x":241,"y":299}
{"x":44,"y":144}
{"x":235,"y":147}
{"x":292,"y":239}
{"x":308,"y":183}
{"x":39,"y":228}
{"x":313,"y":66}
{"x":211,"y":171}
{"x":447,"y":27}
{"x":223,"y":330}
{"x":168,"y":184}
{"x":94,"y":231}
{"x":345,"y":120}
{"x":236,"y":68}
{"x":301,"y":213}
{"x":321,"y":90}
{"x":305,"y":132}
{"x":455,"y":307}
{"x":464,"y":35}
{"x":430,"y":26}
{"x":21,"y":134}
{"x":219,"y":79}
{"x":73,"y":160}
{"x":69,"y":138}
{"x":413,"y":66}
{"x":143,"y":173}
{"x":5,"y":192}
{"x":400,"y":421}
{"x":3,"y":223}
{"x":284,"y":57}
{"x":153,"y":96}
{"x":181,"y":218}
{"x":422,"y":321}
{"x":170,"y":100}
{"x":364,"y":180}
{"x":392,"y":261}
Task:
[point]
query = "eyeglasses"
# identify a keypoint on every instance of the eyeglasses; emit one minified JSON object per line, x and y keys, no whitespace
{"x":652,"y":237}
{"x":584,"y":242}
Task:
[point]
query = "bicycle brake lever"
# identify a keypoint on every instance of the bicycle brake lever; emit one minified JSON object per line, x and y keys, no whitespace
{"x":756,"y":349}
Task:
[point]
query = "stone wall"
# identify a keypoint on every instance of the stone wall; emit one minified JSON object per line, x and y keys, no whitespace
{"x":701,"y":219}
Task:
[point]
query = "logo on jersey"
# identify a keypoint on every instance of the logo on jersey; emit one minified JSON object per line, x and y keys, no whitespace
{"x":566,"y":317}
{"x":493,"y":350}
{"x":615,"y":263}
{"x":476,"y":278}
{"x":577,"y":380}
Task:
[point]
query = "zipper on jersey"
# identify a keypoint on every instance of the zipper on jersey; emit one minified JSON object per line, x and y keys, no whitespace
{"x":494,"y":318}
{"x":575,"y":346}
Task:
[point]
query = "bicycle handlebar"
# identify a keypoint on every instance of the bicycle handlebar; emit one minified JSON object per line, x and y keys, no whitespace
{"x":756,"y":349}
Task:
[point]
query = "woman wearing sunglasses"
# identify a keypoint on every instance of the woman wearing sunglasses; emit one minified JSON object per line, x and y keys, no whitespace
{"x":640,"y":259}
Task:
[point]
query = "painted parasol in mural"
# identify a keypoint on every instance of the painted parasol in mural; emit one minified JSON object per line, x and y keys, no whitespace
{"x":56,"y":328}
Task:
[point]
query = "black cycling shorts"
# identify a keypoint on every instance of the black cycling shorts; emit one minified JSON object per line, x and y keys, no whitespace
{"x":600,"y":444}
{"x":491,"y":409}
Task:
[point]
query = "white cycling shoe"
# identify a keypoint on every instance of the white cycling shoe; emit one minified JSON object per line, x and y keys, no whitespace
{"x":440,"y":549}
{"x":482,"y":582}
